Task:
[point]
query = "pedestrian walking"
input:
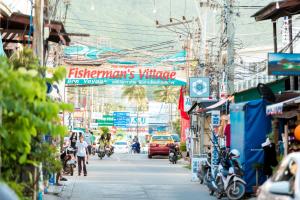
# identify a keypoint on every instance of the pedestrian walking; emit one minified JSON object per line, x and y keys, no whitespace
{"x":73,"y":141}
{"x":81,"y":155}
{"x":87,"y":139}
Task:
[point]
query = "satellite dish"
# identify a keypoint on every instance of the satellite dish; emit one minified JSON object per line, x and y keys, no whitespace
{"x":266,"y":92}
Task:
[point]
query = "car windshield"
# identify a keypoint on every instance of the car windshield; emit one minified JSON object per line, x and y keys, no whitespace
{"x":176,"y":138}
{"x":120,"y":143}
{"x":161,"y":137}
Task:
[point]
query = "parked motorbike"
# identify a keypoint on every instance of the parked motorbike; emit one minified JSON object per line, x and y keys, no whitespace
{"x":136,"y":147}
{"x":68,"y":160}
{"x":212,"y":172}
{"x":229,"y":181}
{"x":211,"y":180}
{"x":101,"y":152}
{"x":204,"y":170}
{"x":173,"y":153}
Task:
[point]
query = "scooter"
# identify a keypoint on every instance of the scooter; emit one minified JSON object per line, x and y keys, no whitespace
{"x":136,"y":147}
{"x":173,"y":154}
{"x":204,"y":170}
{"x":230,"y":183}
{"x":212,"y":173}
{"x":101,"y":152}
{"x":68,"y":160}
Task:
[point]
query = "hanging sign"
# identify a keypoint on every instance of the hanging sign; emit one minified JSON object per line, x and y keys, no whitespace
{"x":121,"y":119}
{"x":199,"y":87}
{"x":106,"y":120}
{"x":122,"y":75}
{"x":187,"y":103}
{"x":215,"y":118}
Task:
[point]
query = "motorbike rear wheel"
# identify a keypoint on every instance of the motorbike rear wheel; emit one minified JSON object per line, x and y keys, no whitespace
{"x":219,"y":192}
{"x":236,"y":190}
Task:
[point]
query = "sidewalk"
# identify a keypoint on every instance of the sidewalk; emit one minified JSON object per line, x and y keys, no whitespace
{"x":183,"y":162}
{"x":53,"y":192}
{"x":61,"y":192}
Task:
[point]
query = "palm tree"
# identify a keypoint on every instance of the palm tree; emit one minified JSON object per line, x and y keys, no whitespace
{"x":138,"y":95}
{"x":167,"y":94}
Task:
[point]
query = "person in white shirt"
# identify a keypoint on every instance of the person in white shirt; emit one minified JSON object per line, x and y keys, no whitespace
{"x":81,"y":154}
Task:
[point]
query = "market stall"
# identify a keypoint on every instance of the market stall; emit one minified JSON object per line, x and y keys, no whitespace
{"x":286,"y":125}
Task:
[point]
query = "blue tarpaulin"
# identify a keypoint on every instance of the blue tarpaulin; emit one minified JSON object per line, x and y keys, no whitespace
{"x":2,"y":53}
{"x":249,"y":128}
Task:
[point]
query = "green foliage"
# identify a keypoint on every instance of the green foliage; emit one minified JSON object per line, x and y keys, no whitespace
{"x":138,"y":95}
{"x":104,"y":130}
{"x":183,"y":147}
{"x":177,"y":126}
{"x":167,"y":94}
{"x":27,"y":115}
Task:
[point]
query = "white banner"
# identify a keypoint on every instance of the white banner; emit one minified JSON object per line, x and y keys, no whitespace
{"x":195,"y":167}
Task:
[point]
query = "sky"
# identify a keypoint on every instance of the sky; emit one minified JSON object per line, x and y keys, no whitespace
{"x":131,"y":23}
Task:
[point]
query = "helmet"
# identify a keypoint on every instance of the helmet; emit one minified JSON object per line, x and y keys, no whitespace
{"x":234,"y":153}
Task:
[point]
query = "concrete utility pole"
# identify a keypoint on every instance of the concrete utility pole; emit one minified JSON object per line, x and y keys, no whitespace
{"x":38,"y":49}
{"x":230,"y":30}
{"x":38,"y":35}
{"x":204,"y":7}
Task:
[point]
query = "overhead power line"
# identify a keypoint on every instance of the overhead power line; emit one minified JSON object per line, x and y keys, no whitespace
{"x":117,"y":27}
{"x":111,"y":31}
{"x":125,"y":39}
{"x":106,"y":22}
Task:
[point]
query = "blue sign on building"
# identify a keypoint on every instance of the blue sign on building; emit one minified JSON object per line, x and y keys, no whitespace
{"x":199,"y":87}
{"x":121,"y":119}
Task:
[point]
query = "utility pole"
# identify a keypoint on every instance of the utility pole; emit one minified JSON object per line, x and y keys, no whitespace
{"x":230,"y":31}
{"x":38,"y":35}
{"x":204,"y":7}
{"x":137,"y":121}
{"x":38,"y":49}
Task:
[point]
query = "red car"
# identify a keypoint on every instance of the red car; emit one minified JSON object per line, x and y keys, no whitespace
{"x":159,"y":145}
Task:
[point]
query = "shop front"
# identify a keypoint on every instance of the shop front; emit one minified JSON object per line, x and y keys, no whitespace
{"x":286,"y":125}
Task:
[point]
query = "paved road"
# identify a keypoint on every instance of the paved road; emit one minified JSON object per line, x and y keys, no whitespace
{"x":133,"y":177}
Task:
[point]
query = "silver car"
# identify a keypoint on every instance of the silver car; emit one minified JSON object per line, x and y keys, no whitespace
{"x":285,"y":183}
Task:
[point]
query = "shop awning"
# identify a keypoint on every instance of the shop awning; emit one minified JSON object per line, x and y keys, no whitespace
{"x":277,"y":109}
{"x":276,"y":10}
{"x":214,"y":106}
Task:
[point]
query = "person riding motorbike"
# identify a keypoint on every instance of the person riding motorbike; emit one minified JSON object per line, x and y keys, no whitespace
{"x":101,"y":142}
{"x":136,"y":147}
{"x":108,"y":142}
{"x":173,"y":153}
